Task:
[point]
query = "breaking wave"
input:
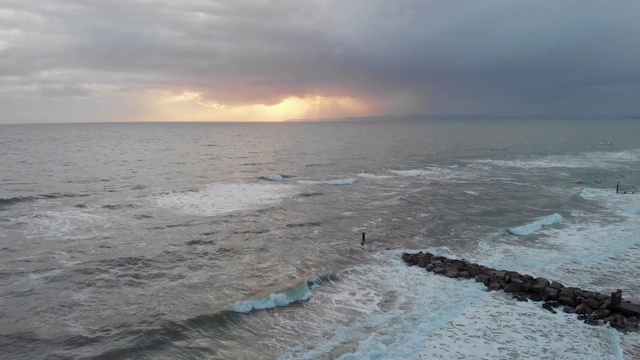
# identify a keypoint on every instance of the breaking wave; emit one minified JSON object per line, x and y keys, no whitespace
{"x":300,"y":292}
{"x":536,"y":225}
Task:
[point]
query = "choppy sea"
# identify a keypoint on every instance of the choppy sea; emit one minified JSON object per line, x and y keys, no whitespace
{"x":243,"y":241}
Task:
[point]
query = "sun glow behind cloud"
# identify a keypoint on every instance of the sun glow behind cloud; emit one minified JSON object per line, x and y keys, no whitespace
{"x":193,"y":106}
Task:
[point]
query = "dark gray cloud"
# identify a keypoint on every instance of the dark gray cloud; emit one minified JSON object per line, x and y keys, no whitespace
{"x":464,"y":57}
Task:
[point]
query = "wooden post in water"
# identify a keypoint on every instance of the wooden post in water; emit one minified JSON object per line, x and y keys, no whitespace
{"x":362,"y":243}
{"x":616,"y":297}
{"x":618,"y":187}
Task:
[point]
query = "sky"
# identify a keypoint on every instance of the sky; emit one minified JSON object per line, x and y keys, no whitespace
{"x":242,"y":60}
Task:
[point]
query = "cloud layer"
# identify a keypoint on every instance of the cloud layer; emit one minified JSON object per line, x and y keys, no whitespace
{"x":122,"y":59}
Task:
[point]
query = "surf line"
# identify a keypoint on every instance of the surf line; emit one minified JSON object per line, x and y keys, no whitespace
{"x":592,"y":307}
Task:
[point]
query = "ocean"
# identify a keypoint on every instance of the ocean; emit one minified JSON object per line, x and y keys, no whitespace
{"x":243,"y":240}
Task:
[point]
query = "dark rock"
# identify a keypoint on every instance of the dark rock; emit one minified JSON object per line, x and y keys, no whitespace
{"x":548,"y":307}
{"x":439,"y":270}
{"x":616,"y":325}
{"x":602,"y":297}
{"x":602,"y":314}
{"x":498,"y":275}
{"x":605,"y":304}
{"x":465,"y":274}
{"x":406,"y":257}
{"x":439,"y":258}
{"x":513,"y":287}
{"x":452,"y":273}
{"x":552,"y":292}
{"x":534,"y":297}
{"x":567,"y":301}
{"x":521,"y":297}
{"x":589,"y":294}
{"x":430,"y":267}
{"x":542,"y":281}
{"x":592,"y":321}
{"x":474,"y":270}
{"x":537,"y":288}
{"x":556,"y":285}
{"x":569,"y":309}
{"x":620,"y":318}
{"x":458,"y":264}
{"x":566,"y":292}
{"x":526,"y":286}
{"x":592,"y":303}
{"x":494,"y":286}
{"x":424,"y":260}
{"x":484,"y":279}
{"x":554,"y":303}
{"x":583,"y":309}
{"x":528,"y":277}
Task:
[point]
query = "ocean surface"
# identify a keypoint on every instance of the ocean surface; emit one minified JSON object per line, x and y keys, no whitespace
{"x":243,"y":241}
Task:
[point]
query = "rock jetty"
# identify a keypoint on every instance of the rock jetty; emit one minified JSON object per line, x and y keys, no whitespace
{"x":591,"y":307}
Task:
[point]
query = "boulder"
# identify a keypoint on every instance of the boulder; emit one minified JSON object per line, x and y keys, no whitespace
{"x":474,"y":269}
{"x":534,"y":297}
{"x":465,"y":275}
{"x":452,"y":273}
{"x":538,"y":288}
{"x":494,"y":286}
{"x":430,"y":267}
{"x":513,"y":287}
{"x":616,"y":325}
{"x":567,"y":301}
{"x":482,"y":278}
{"x":439,"y":270}
{"x":423,"y":261}
{"x":583,"y":309}
{"x":548,"y":307}
{"x":542,"y":281}
{"x":592,"y":303}
{"x":569,"y":309}
{"x":526,"y":286}
{"x":458,"y":264}
{"x":552,"y":292}
{"x":566,"y":292}
{"x":602,"y":314}
{"x":556,"y":285}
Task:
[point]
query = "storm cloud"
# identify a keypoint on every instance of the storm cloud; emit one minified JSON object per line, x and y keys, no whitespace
{"x":98,"y":60}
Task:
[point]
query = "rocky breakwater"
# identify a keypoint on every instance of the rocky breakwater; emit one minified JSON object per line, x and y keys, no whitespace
{"x":591,"y":307}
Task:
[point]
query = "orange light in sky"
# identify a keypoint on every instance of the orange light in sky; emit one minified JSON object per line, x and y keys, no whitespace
{"x":192,"y":106}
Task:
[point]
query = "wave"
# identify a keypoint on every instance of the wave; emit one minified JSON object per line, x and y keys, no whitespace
{"x":273,"y":177}
{"x":300,"y":292}
{"x":10,"y":200}
{"x":340,"y":182}
{"x":536,"y":225}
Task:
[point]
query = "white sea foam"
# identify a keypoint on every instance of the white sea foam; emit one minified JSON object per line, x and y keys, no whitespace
{"x":536,"y":225}
{"x":69,"y":224}
{"x":340,"y":182}
{"x":300,"y":292}
{"x":599,"y":159}
{"x":412,"y":173}
{"x":223,"y":198}
{"x":391,"y":311}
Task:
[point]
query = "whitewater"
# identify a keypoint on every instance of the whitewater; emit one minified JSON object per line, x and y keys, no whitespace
{"x":243,"y":241}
